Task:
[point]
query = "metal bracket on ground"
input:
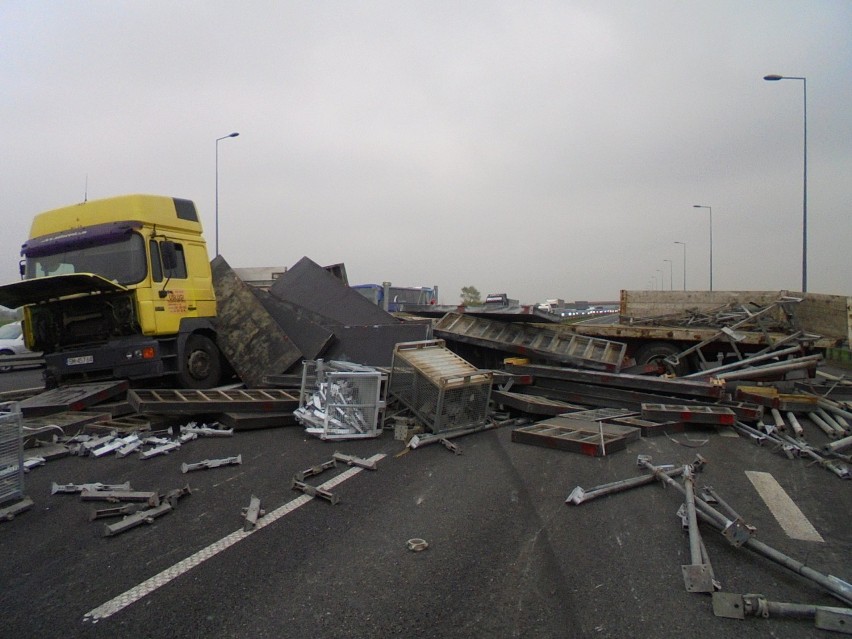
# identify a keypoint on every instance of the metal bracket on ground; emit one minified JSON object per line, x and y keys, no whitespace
{"x":315,"y":470}
{"x":151,"y":498}
{"x":252,"y":513}
{"x":175,"y":494}
{"x":450,"y":446}
{"x":315,"y":491}
{"x":113,"y":511}
{"x":9,"y":512}
{"x":351,"y":460}
{"x":137,"y":519}
{"x":206,"y":431}
{"x":93,"y":487}
{"x":211,"y":463}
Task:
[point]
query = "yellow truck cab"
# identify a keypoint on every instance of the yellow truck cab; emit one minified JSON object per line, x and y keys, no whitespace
{"x":119,"y":288}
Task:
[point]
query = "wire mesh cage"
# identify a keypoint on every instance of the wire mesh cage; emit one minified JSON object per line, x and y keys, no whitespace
{"x":341,"y":400}
{"x":11,"y":452}
{"x":443,"y":390}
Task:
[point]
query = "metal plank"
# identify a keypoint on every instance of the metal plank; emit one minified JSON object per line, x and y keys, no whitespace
{"x":580,"y":423}
{"x":248,"y":336}
{"x":527,"y":339}
{"x":569,"y":439}
{"x":770,"y":397}
{"x":73,"y":398}
{"x":718,"y":415}
{"x":252,"y":421}
{"x":673,"y":387}
{"x":187,"y":401}
{"x":70,"y":422}
{"x":125,"y":424}
{"x":650,"y":428}
{"x":621,"y":398}
{"x":532,"y":404}
{"x":601,"y":414}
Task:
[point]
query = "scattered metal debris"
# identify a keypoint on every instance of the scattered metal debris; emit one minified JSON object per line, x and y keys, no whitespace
{"x":351,"y":460}
{"x":252,"y":513}
{"x":113,"y":511}
{"x":211,"y":463}
{"x":339,"y":400}
{"x":417,"y":545}
{"x":315,"y":470}
{"x":137,"y":519}
{"x":315,"y":491}
{"x":92,"y":487}
{"x":736,"y":606}
{"x":149,"y":497}
{"x":8,"y":513}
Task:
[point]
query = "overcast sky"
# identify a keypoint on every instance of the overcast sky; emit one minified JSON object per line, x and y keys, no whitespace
{"x":541,"y":149}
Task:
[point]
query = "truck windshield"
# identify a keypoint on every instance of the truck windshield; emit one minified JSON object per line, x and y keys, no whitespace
{"x":122,"y":261}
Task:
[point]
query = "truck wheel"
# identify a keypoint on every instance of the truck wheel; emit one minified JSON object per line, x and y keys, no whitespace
{"x":657,"y":352}
{"x":200,"y":365}
{"x":7,"y":368}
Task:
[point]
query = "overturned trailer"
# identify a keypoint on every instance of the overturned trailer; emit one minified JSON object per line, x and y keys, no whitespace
{"x":714,"y":326}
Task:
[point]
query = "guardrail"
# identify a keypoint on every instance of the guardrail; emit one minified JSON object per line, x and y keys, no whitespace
{"x":12,"y":362}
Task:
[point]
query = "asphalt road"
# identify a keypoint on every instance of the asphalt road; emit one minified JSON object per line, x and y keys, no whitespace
{"x":506,"y":557}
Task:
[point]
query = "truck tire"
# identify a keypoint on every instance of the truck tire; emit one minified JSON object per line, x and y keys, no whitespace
{"x":658,"y":352}
{"x":200,"y":363}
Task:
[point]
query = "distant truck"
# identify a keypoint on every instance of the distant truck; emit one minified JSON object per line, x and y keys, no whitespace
{"x":119,"y":288}
{"x":641,"y":324}
{"x":397,"y":299}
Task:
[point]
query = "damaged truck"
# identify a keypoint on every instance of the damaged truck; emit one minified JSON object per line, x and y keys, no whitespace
{"x":119,"y":288}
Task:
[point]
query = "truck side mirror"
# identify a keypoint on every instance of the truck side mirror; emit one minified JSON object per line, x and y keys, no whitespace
{"x":169,"y":254}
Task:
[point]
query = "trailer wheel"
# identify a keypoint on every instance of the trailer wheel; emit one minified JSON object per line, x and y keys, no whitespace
{"x":657,"y":352}
{"x":200,"y":364}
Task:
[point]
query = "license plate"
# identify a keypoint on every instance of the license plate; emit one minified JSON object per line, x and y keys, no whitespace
{"x":76,"y":361}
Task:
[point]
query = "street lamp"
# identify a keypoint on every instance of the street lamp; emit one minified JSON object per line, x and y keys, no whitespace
{"x":684,"y":263}
{"x":224,"y":137}
{"x":774,"y":78}
{"x":671,"y":275}
{"x":701,"y":206}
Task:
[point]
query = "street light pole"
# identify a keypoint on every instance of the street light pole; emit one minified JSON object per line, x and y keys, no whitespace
{"x":224,"y":137}
{"x":709,"y":208}
{"x":774,"y":78}
{"x":684,"y":263}
{"x":671,"y":275}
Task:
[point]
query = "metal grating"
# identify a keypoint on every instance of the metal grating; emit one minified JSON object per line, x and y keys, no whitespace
{"x":534,"y":341}
{"x":11,"y":453}
{"x":443,"y":390}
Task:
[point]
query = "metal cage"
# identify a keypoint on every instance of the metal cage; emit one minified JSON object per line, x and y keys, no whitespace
{"x":443,"y":390}
{"x":11,"y":453}
{"x":341,"y":400}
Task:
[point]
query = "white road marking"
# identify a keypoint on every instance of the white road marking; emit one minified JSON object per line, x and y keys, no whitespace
{"x":150,"y":585}
{"x":783,"y":508}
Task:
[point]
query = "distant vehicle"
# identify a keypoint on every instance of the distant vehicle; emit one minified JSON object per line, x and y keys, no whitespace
{"x":399,"y":297}
{"x":12,"y":342}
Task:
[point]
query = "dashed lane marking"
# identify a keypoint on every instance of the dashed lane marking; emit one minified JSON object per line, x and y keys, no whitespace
{"x":150,"y":585}
{"x":783,"y":508}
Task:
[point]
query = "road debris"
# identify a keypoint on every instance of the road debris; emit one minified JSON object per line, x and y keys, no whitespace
{"x":211,"y":463}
